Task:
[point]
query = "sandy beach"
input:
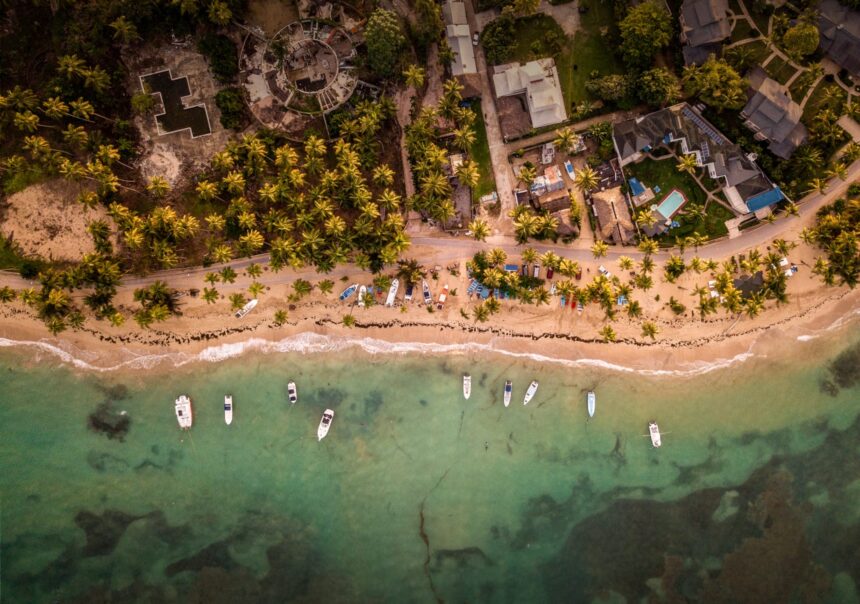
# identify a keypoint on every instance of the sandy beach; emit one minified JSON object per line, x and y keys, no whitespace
{"x":548,"y":332}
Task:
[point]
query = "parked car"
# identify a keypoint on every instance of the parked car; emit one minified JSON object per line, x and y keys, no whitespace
{"x":475,"y":37}
{"x":536,"y":272}
{"x":549,"y":273}
{"x":602,"y":270}
{"x":524,"y":270}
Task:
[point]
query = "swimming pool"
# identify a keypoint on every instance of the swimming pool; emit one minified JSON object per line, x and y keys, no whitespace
{"x":671,"y":203}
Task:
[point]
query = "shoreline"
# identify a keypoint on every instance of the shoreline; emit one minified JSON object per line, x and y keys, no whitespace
{"x":684,"y":348}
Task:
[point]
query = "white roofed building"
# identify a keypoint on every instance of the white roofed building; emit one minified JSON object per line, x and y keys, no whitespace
{"x":459,"y":38}
{"x":538,"y":81}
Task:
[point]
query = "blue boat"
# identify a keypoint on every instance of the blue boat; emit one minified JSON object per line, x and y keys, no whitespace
{"x":348,"y":291}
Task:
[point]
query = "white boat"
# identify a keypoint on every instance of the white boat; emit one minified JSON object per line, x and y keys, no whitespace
{"x":509,"y":388}
{"x":246,"y":309}
{"x":442,"y":297}
{"x":325,"y":424}
{"x":392,"y":292}
{"x":428,"y":299}
{"x":530,"y":392}
{"x":228,"y":409}
{"x":362,"y":292}
{"x":592,"y":403}
{"x":467,"y":386}
{"x":184,"y":413}
{"x":568,"y":167}
{"x":655,"y":434}
{"x":292,"y":392}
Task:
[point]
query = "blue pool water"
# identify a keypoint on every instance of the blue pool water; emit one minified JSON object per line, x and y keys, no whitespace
{"x":671,"y":204}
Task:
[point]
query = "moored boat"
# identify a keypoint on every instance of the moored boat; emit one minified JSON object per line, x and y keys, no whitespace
{"x":325,"y":424}
{"x":392,"y":292}
{"x":592,"y":403}
{"x":362,"y":292}
{"x":184,"y":412}
{"x":246,"y":309}
{"x":428,"y":299}
{"x":530,"y":393}
{"x":467,"y":386}
{"x":509,"y":388}
{"x":348,"y":291}
{"x":292,"y":392}
{"x":442,"y":297}
{"x":654,"y":432}
{"x":228,"y":409}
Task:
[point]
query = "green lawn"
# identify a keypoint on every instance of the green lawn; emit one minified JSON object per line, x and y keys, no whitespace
{"x":811,"y":107}
{"x":741,"y":30}
{"x":761,"y":21}
{"x":665,"y":174}
{"x":799,"y":88}
{"x":758,"y":51}
{"x":713,"y":226}
{"x":577,"y":58}
{"x":480,"y":154}
{"x":780,"y":70}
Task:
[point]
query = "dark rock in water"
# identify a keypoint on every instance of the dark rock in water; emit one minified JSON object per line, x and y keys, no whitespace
{"x":372,"y":402}
{"x":214,"y":555}
{"x":828,"y":388}
{"x":105,"y":462}
{"x":462,"y":556}
{"x":422,"y":402}
{"x":117,"y":392}
{"x":109,"y":421}
{"x":103,"y":532}
{"x":219,"y":586}
{"x":845,"y":368}
{"x":291,"y":566}
{"x":327,"y":397}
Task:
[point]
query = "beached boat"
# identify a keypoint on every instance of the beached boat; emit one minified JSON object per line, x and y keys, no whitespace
{"x":246,"y":309}
{"x":362,"y":292}
{"x":467,"y":386}
{"x":530,"y":392}
{"x":228,"y":409}
{"x":184,"y":413}
{"x":568,"y":167}
{"x":509,"y":388}
{"x":348,"y":291}
{"x":592,"y":403}
{"x":325,"y":424}
{"x":292,"y":392}
{"x":409,"y":289}
{"x":428,"y":299}
{"x":442,"y":297}
{"x":654,"y":432}
{"x":392,"y":292}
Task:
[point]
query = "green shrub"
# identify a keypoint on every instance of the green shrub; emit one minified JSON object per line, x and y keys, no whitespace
{"x":221,"y":54}
{"x":231,"y":103}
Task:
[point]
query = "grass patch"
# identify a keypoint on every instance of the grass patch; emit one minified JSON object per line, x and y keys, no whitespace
{"x":665,"y":174}
{"x":757,"y":50}
{"x":713,"y":226}
{"x":480,"y":154}
{"x":761,"y":21}
{"x":741,"y":31}
{"x":780,"y":70}
{"x":11,"y":258}
{"x":799,"y":88}
{"x":815,"y":100}
{"x":13,"y":182}
{"x":576,"y":58}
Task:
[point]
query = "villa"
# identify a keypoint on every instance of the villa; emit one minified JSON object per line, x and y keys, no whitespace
{"x":538,"y":82}
{"x":682,"y":130}
{"x":459,"y":38}
{"x":704,"y":25}
{"x":840,"y":35}
{"x":613,"y":216}
{"x":773,"y":116}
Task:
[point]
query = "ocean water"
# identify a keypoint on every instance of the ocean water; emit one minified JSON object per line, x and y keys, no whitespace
{"x":418,"y":495}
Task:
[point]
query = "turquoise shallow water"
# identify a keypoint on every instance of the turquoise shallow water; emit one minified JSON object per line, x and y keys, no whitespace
{"x":420,"y":496}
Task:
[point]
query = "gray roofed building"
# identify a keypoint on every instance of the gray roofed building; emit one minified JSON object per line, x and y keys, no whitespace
{"x":704,"y":24}
{"x":773,"y":116}
{"x":681,"y":124}
{"x":459,"y":38}
{"x":839,"y":27}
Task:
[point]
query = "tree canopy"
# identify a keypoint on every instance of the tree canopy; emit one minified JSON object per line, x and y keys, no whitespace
{"x":385,"y":40}
{"x":800,"y":40}
{"x":645,"y":30}
{"x":716,"y":83}
{"x":658,"y":87}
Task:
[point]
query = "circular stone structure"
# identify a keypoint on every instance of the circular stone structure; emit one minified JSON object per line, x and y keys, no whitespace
{"x":303,"y":71}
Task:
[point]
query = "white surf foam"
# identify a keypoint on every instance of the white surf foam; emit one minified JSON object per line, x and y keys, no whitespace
{"x":312,"y":343}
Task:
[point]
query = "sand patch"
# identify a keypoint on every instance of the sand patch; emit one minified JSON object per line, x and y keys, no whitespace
{"x":46,"y":220}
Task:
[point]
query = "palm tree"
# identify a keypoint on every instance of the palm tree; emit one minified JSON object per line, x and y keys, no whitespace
{"x":599,"y":249}
{"x":280,"y":317}
{"x":468,"y":174}
{"x":529,"y":255}
{"x":480,"y":313}
{"x":818,"y":184}
{"x":648,"y":246}
{"x":480,"y":229}
{"x":525,"y":227}
{"x":808,"y":236}
{"x":256,"y":288}
{"x":124,"y":30}
{"x":228,"y":275}
{"x":464,"y":137}
{"x":541,"y":296}
{"x":608,"y":334}
{"x":415,"y":76}
{"x":838,"y":170}
{"x":383,"y":175}
{"x":566,"y":139}
{"x":348,"y":321}
{"x":586,"y":179}
{"x":783,"y":247}
{"x":568,"y":267}
{"x":210,"y":294}
{"x":649,"y":330}
{"x":497,"y":257}
{"x":527,"y":174}
{"x":688,"y":163}
{"x":550,"y":260}
{"x":625,"y":263}
{"x":754,"y":305}
{"x":70,"y":66}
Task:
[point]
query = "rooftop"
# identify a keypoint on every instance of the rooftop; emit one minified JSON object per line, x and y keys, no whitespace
{"x":704,"y":24}
{"x":459,"y":38}
{"x":538,"y":81}
{"x":613,"y":216}
{"x":840,"y":34}
{"x":772,"y":114}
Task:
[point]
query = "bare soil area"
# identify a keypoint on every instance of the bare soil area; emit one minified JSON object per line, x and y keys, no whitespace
{"x":46,"y":220}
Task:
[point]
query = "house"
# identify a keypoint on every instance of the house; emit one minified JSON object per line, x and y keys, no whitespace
{"x":613,"y":216}
{"x":538,"y":81}
{"x":745,"y":186}
{"x":773,"y":116}
{"x":459,"y":38}
{"x":839,"y":28}
{"x":704,"y":25}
